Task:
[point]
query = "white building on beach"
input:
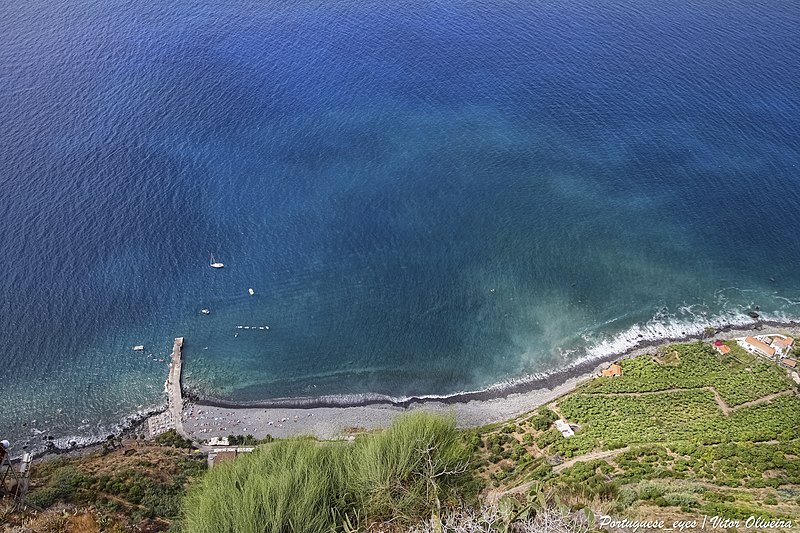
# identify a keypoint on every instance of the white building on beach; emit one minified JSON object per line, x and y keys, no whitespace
{"x":767,"y":345}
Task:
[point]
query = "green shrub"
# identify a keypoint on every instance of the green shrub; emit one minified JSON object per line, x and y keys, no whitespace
{"x":304,"y":485}
{"x":288,"y":486}
{"x":65,"y":480}
{"x":735,"y":512}
{"x":43,"y":498}
{"x":626,"y":497}
{"x":680,"y":500}
{"x":547,"y":438}
{"x":650,"y":491}
{"x":542,"y":420}
{"x":162,"y":500}
{"x":171,"y":438}
{"x":392,"y":471}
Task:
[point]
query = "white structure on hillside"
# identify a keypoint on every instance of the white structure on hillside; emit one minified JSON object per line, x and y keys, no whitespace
{"x":782,"y":344}
{"x":767,"y":345}
{"x":757,"y":346}
{"x":564,"y":428}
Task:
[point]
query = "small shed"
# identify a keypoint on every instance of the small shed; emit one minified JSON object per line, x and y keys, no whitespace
{"x":721,"y":347}
{"x":564,"y":428}
{"x":613,"y":370}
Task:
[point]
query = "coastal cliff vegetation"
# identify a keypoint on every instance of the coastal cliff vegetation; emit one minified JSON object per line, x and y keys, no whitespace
{"x":684,"y":432}
{"x":400,"y":475}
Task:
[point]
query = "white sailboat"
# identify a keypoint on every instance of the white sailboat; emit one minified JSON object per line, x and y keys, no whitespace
{"x":215,"y":264}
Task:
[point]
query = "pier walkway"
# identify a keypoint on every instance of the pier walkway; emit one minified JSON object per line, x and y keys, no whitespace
{"x":174,"y":389}
{"x":173,"y":416}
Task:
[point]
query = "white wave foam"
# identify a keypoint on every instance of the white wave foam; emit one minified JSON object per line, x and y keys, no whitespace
{"x":98,"y":435}
{"x":664,"y":326}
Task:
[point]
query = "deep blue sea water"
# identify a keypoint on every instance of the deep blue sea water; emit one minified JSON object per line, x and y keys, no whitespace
{"x":426,"y":197}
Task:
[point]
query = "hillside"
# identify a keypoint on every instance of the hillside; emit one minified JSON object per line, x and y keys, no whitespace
{"x":124,"y":485}
{"x":682,"y":434}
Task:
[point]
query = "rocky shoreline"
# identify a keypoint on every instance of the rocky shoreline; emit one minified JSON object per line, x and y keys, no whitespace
{"x":207,"y":418}
{"x":327,"y":418}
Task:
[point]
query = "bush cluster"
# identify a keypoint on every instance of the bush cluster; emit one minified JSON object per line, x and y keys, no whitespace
{"x":402,"y":474}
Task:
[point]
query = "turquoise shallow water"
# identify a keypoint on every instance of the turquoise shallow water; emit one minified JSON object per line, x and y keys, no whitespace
{"x":426,"y":198}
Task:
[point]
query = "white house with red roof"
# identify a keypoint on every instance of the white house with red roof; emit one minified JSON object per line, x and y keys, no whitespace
{"x":767,"y":345}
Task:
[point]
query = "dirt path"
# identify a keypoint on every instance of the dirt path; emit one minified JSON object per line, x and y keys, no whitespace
{"x":495,"y":495}
{"x":764,"y":399}
{"x":125,"y":503}
{"x":723,"y":406}
{"x":599,"y":454}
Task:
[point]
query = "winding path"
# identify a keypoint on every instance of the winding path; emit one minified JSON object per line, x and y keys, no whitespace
{"x":723,"y":406}
{"x":726,"y":409}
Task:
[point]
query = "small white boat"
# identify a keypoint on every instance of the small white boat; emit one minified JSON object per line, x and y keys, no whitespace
{"x":215,"y":264}
{"x":138,"y":348}
{"x":251,"y":291}
{"x":205,"y":311}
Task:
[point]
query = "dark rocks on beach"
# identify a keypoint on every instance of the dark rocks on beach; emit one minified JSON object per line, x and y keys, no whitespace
{"x":752,"y":314}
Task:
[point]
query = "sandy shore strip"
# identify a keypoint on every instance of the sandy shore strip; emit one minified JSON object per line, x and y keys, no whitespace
{"x":203,"y":421}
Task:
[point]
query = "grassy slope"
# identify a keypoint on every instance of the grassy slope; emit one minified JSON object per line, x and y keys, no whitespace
{"x":399,"y":475}
{"x":655,"y":443}
{"x":135,"y":484}
{"x":678,"y":451}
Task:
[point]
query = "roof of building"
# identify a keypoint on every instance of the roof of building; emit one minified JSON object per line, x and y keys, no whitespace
{"x":223,"y":456}
{"x":791,"y":363}
{"x":612,"y":370}
{"x":718,"y":343}
{"x":783,"y":342}
{"x":760,"y":346}
{"x":723,"y":349}
{"x":564,"y":428}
